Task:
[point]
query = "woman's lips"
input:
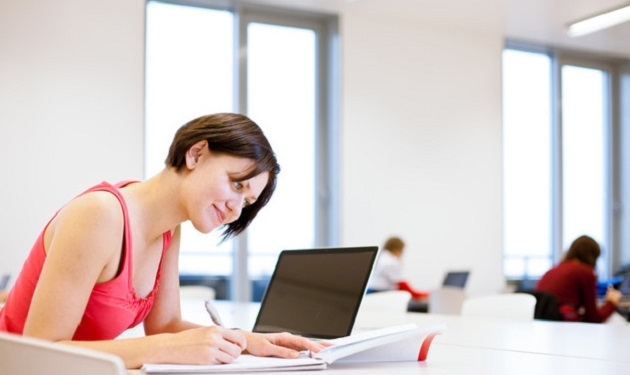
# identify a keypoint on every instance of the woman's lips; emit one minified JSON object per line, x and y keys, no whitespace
{"x":219,"y":214}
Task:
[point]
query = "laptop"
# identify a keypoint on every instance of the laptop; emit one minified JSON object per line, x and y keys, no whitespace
{"x":456,"y":279}
{"x":21,"y":355}
{"x":624,"y":287}
{"x":316,"y":293}
{"x":4,"y":282}
{"x":623,"y":307}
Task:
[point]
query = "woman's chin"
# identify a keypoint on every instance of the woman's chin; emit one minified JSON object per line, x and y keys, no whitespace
{"x":205,"y":228}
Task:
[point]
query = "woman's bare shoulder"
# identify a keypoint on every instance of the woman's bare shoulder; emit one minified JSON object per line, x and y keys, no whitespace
{"x":94,"y":216}
{"x":95,"y":204}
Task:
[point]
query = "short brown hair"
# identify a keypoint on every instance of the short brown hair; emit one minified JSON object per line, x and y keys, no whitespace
{"x":236,"y":135}
{"x":394,"y":244}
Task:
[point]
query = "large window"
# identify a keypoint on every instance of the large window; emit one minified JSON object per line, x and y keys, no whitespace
{"x":273,"y":66}
{"x":558,"y":158}
{"x":527,"y":163}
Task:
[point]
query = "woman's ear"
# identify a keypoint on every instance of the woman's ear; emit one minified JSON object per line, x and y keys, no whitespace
{"x":195,"y":153}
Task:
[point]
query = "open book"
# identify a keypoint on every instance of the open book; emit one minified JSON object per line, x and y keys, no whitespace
{"x":407,"y":342}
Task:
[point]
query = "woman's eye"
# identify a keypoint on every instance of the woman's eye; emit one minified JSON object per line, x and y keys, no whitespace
{"x":237,"y":185}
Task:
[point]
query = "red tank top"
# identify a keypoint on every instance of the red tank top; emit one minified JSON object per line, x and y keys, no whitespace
{"x":113,"y":306}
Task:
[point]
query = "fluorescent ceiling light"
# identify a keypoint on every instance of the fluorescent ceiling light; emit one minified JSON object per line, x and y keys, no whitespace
{"x":600,"y":21}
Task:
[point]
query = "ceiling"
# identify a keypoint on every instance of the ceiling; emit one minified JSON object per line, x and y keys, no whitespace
{"x":544,"y":21}
{"x":539,"y":21}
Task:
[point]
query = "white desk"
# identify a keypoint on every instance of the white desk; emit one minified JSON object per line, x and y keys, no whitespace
{"x":475,"y":345}
{"x":583,"y":340}
{"x":461,"y":360}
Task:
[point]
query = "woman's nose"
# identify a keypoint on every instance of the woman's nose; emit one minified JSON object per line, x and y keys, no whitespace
{"x":235,"y":206}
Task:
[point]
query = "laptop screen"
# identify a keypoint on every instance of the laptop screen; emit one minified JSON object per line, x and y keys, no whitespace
{"x":624,"y":286}
{"x":4,"y":282}
{"x":456,"y":279}
{"x":316,"y":292}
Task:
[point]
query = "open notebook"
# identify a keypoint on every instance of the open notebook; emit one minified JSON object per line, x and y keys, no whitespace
{"x":316,"y":293}
{"x":392,"y":344}
{"x":21,"y":355}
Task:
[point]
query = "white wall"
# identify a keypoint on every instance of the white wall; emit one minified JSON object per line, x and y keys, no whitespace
{"x":422,"y":144}
{"x":421,"y":127}
{"x":71,"y":108}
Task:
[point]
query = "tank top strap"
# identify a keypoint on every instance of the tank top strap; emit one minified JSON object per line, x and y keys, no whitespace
{"x":127,"y":264}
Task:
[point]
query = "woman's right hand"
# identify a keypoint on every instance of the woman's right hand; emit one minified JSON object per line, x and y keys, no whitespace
{"x":613,"y":295}
{"x":204,"y":345}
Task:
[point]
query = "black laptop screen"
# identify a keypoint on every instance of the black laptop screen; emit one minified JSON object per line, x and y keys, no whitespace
{"x":624,"y":286}
{"x":316,"y":292}
{"x":4,"y":282}
{"x":456,"y":279}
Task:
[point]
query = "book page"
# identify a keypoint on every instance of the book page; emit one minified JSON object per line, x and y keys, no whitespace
{"x":404,"y":342}
{"x":367,"y":335}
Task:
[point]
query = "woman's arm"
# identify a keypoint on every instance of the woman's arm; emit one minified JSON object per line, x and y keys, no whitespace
{"x":592,"y":312}
{"x":83,"y":247}
{"x":205,"y":345}
{"x":165,"y":316}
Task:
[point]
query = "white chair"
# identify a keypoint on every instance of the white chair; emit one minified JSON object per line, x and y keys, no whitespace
{"x":21,"y":355}
{"x":196,"y":292}
{"x":516,"y":306}
{"x":380,"y":309}
{"x":394,"y":301}
{"x":446,"y":300}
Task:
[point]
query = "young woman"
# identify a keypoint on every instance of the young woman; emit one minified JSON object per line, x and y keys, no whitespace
{"x":108,"y":260}
{"x":574,"y":283}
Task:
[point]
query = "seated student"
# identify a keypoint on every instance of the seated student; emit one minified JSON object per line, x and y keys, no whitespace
{"x":574,"y":283}
{"x":388,"y":271}
{"x":108,"y":260}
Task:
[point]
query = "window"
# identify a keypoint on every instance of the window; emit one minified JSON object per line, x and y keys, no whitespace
{"x":281,"y":80}
{"x":527,"y":163}
{"x":584,"y":152}
{"x":558,"y":158}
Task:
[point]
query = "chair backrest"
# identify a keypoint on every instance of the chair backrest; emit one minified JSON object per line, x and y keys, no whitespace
{"x":20,"y":355}
{"x":196,"y":292}
{"x":517,"y":306}
{"x":394,"y":301}
{"x":547,"y":307}
{"x":446,"y":300}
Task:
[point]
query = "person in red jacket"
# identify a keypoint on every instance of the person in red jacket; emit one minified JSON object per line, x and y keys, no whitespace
{"x":574,"y":283}
{"x":388,"y":271}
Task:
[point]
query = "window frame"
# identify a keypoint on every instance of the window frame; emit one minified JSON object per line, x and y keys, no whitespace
{"x":560,"y":57}
{"x":326,"y":197}
{"x":326,"y":152}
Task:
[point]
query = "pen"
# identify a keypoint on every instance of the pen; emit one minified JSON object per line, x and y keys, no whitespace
{"x":214,"y":314}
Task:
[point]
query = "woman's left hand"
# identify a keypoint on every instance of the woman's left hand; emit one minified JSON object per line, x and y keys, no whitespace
{"x":283,"y":345}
